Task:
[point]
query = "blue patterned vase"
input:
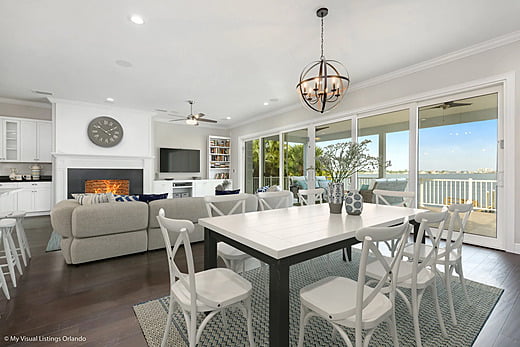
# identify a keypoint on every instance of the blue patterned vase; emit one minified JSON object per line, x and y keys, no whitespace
{"x":335,"y":197}
{"x":354,"y":203}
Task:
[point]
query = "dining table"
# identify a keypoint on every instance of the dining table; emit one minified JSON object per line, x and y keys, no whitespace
{"x":284,"y":237}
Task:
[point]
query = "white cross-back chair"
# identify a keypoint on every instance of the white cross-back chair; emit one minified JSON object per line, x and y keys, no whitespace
{"x":405,"y":199}
{"x":450,"y":256}
{"x":23,"y":248}
{"x":417,"y":275}
{"x":224,"y":205}
{"x":275,"y":200}
{"x":209,"y":291}
{"x":346,"y":303}
{"x":310,"y":196}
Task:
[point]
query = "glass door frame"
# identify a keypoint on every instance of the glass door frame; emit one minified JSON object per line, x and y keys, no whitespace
{"x":500,"y":241}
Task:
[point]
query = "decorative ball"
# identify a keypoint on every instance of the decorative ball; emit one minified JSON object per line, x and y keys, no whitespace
{"x":354,"y":203}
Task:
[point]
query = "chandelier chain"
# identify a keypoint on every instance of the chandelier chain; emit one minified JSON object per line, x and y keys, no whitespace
{"x":321,"y":37}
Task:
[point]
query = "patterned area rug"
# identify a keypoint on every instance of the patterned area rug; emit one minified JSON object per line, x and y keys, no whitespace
{"x":471,"y":318}
{"x":54,"y":242}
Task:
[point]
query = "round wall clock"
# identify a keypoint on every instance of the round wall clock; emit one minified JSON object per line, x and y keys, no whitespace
{"x":105,"y":131}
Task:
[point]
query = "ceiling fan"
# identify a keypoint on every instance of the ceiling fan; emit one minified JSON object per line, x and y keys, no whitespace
{"x":193,"y":119}
{"x":449,"y":104}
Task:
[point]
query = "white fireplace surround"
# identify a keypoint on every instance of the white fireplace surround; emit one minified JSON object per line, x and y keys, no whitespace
{"x":63,"y":161}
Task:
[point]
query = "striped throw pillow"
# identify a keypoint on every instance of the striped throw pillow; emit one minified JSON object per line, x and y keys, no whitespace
{"x":126,"y":198}
{"x":91,"y":199}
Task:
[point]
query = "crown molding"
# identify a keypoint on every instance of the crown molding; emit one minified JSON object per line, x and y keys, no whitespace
{"x":25,"y":103}
{"x":428,"y":64}
{"x":443,"y":59}
{"x":54,"y":100}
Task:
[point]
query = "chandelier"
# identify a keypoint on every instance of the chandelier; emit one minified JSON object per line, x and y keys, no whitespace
{"x":322,"y":86}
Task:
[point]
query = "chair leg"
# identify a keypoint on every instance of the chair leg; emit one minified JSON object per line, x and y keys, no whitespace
{"x":21,"y":244}
{"x":19,"y":226}
{"x":393,"y":329}
{"x":9,"y":258}
{"x":447,"y":274}
{"x":303,"y":314}
{"x":14,"y":253}
{"x":164,"y":342}
{"x":458,"y":268}
{"x":3,"y":283}
{"x":249,"y":318}
{"x":415,"y":316}
{"x":438,"y":310}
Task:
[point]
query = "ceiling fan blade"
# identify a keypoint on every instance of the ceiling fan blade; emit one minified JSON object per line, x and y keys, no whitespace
{"x":458,"y":104}
{"x":206,"y":120}
{"x":199,"y":115}
{"x":176,"y":120}
{"x":321,"y":128}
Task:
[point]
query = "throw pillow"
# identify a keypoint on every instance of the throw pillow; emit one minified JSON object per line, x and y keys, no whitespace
{"x":227,"y":192}
{"x":126,"y":198}
{"x":323,"y":184}
{"x":91,"y":199}
{"x":262,"y":189}
{"x":302,"y":184}
{"x":274,"y":189}
{"x":151,"y":197}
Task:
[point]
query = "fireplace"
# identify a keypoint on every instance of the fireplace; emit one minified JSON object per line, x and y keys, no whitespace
{"x":119,"y":187}
{"x":117,"y":181}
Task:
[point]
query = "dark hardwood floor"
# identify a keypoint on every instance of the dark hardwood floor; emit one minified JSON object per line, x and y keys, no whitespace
{"x":94,"y":300}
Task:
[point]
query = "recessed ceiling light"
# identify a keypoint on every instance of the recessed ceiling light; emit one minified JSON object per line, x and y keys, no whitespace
{"x":266,"y":103}
{"x":228,"y":117}
{"x":137,"y":19}
{"x":124,"y":63}
{"x":109,"y":99}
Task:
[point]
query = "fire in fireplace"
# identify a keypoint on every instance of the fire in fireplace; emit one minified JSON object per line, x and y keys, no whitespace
{"x":120,"y":187}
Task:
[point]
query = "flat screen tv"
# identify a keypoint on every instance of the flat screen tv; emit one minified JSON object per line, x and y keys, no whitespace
{"x":179,"y":160}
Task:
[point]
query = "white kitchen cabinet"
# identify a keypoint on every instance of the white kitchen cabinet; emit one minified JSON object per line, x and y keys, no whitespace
{"x":34,"y":197}
{"x":36,"y":141}
{"x":8,"y":202}
{"x":44,"y":148}
{"x":9,"y":140}
{"x":29,"y":142}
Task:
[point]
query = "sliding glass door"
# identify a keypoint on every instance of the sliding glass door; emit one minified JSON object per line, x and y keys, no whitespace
{"x":251,"y":166}
{"x":458,"y":159}
{"x":294,"y":156}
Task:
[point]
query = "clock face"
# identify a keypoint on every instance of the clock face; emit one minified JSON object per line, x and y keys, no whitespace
{"x":105,"y":131}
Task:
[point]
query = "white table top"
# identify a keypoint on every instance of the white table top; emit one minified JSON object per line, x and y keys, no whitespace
{"x":284,"y":232}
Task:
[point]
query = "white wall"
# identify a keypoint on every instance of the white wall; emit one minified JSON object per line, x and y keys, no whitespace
{"x":171,"y":135}
{"x":497,"y":61}
{"x":71,"y":120}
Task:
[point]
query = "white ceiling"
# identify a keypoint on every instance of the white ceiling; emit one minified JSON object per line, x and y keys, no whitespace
{"x":230,"y":56}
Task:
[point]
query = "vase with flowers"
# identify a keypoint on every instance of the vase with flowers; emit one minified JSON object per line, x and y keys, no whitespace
{"x":340,"y":161}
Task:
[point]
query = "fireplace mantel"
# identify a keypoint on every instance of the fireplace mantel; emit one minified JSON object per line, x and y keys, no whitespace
{"x":64,"y":161}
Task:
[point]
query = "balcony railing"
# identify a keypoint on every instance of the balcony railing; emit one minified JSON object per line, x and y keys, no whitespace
{"x":434,"y":192}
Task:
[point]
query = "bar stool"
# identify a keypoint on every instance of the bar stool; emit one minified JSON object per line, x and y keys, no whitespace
{"x":3,"y":283}
{"x":23,"y":248}
{"x":7,"y":226}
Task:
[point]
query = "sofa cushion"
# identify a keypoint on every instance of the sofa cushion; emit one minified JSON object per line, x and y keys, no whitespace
{"x":61,"y":217}
{"x":227,"y":192}
{"x":109,"y":218}
{"x":185,"y":208}
{"x":300,"y":182}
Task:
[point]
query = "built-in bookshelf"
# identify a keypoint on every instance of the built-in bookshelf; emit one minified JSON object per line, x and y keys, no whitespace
{"x":219,"y":153}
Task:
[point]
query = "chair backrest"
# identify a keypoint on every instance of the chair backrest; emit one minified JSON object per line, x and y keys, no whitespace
{"x":370,"y":237}
{"x":426,"y":257}
{"x":392,"y":197}
{"x":312,"y":196}
{"x":459,"y":215}
{"x":183,"y":228}
{"x":224,"y":205}
{"x":274,"y":200}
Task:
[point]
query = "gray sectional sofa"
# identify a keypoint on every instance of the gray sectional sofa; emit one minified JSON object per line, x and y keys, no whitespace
{"x":100,"y":231}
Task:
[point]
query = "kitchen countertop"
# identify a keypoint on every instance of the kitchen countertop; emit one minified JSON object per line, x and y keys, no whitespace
{"x":4,"y":179}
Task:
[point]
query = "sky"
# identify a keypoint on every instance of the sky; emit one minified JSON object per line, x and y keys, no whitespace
{"x":457,"y":147}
